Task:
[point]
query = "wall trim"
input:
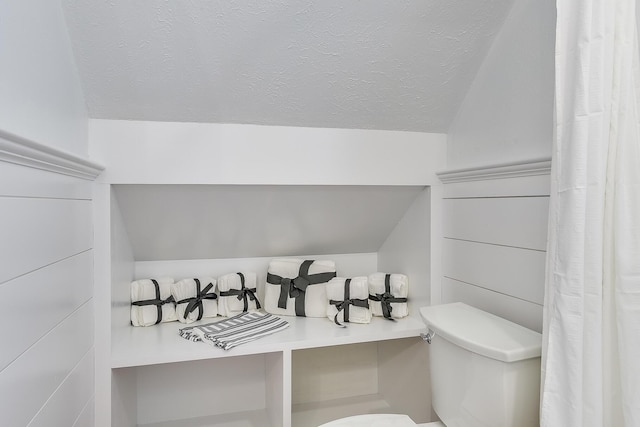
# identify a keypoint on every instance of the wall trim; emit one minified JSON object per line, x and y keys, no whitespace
{"x":22,"y":151}
{"x":541,"y":166}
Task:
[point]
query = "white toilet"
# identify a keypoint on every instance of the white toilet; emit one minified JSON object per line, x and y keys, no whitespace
{"x":485,"y":372}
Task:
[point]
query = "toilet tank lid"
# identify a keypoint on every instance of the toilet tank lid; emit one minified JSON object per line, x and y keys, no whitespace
{"x":481,"y":332}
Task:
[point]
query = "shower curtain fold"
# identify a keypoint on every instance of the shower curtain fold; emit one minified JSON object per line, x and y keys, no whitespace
{"x":591,"y":326}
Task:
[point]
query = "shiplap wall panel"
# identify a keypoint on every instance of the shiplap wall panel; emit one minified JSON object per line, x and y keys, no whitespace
{"x":70,"y":398}
{"x":519,"y":311}
{"x":37,"y":232}
{"x":32,"y":378}
{"x":86,"y":417}
{"x":511,"y":221}
{"x":507,"y":270}
{"x":494,"y":239}
{"x":60,"y":289}
{"x":20,"y":181}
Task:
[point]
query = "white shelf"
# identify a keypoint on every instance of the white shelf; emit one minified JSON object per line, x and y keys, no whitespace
{"x":238,"y":419}
{"x":140,"y":346}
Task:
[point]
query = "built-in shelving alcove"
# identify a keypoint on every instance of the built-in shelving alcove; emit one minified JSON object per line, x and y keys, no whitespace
{"x":308,"y":374}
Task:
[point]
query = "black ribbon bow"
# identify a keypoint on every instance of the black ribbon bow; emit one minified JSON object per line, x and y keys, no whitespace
{"x":296,"y":288}
{"x":158,"y":302}
{"x":242,"y":294}
{"x":346,"y":303}
{"x":196,"y":302}
{"x":386,"y":298}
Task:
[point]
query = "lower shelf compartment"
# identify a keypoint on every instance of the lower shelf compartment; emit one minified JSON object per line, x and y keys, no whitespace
{"x":258,"y":418}
{"x":241,"y":391}
{"x":315,"y":413}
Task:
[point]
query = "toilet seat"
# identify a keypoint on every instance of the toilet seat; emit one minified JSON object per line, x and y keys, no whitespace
{"x":379,"y":420}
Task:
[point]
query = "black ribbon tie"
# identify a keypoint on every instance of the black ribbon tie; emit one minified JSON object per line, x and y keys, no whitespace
{"x":387,"y":298}
{"x":346,"y":303}
{"x":242,"y":294}
{"x":296,"y":288}
{"x":196,"y":302}
{"x":158,"y":302}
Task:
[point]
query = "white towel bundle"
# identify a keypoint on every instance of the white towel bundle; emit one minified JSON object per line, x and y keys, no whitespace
{"x":195,"y":299}
{"x":236,"y":330}
{"x":151,"y":302}
{"x":237,"y":294}
{"x":348,"y":300}
{"x":388,"y":295}
{"x":296,"y":287}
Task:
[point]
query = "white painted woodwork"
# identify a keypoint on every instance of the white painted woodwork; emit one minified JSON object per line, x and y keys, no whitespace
{"x":39,"y":232}
{"x":46,"y":239}
{"x":162,"y":344}
{"x":436,"y":220}
{"x":103,"y":265}
{"x":511,"y":221}
{"x":529,"y":185}
{"x":277,"y":387}
{"x":204,"y":153}
{"x":507,"y":270}
{"x":523,"y":312}
{"x":495,"y":229}
{"x":122,"y":269}
{"x":407,"y":247}
{"x":70,"y":398}
{"x":38,"y":301}
{"x":507,"y":170}
{"x":87,"y":416}
{"x":23,"y":151}
{"x":31,"y":379}
{"x":329,"y":373}
{"x":166,"y":222}
{"x":19,"y":181}
{"x":143,"y":360}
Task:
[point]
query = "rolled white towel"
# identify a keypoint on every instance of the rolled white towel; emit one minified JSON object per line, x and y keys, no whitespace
{"x":195,"y":299}
{"x":393,"y":290}
{"x":238,"y":294}
{"x":348,"y":300}
{"x":151,"y":302}
{"x":296,"y":287}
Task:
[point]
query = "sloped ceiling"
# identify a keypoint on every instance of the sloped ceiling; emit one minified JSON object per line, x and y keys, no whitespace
{"x":170,"y":222}
{"x":375,"y":64}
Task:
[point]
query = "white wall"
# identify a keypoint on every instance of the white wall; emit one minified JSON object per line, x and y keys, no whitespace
{"x":46,"y":280}
{"x":495,"y":218}
{"x":141,"y":152}
{"x":507,"y":114}
{"x":40,"y":94}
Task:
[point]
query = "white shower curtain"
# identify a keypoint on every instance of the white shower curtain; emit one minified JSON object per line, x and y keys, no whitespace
{"x":591,"y":330}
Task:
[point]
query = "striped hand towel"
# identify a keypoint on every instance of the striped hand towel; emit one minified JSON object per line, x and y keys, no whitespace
{"x":236,"y":330}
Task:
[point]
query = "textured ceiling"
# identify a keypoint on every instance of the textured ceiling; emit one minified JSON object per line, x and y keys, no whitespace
{"x":375,"y":64}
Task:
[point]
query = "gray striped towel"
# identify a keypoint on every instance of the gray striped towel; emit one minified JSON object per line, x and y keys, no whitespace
{"x":235,"y":330}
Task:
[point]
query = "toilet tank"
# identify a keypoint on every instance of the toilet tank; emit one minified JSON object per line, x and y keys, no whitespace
{"x":485,"y":370}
